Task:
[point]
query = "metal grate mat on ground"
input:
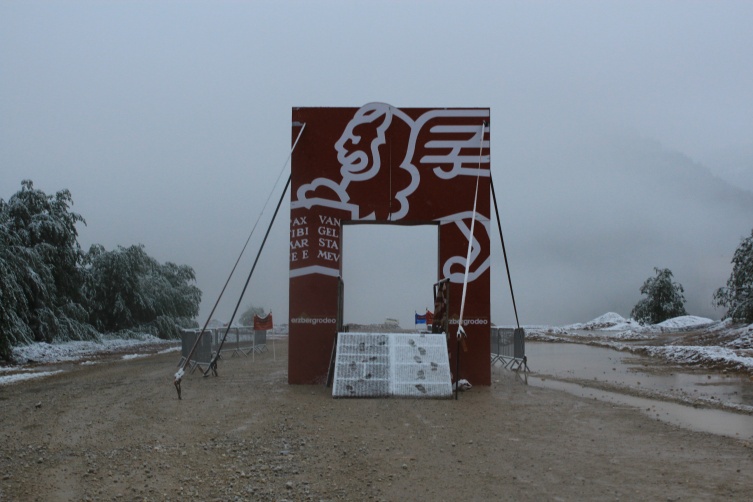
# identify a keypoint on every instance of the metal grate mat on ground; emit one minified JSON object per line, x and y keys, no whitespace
{"x":392,"y":364}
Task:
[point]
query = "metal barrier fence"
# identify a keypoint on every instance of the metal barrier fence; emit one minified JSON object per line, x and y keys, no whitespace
{"x":508,"y":346}
{"x":239,"y":341}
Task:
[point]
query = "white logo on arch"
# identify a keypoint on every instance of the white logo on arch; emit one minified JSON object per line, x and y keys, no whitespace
{"x":447,"y":158}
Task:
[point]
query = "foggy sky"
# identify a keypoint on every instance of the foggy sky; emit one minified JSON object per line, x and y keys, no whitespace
{"x":170,"y":123}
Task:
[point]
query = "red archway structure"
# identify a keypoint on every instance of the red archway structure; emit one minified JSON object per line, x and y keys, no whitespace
{"x":406,"y":166}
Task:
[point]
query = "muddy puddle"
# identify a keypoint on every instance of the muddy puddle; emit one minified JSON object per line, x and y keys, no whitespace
{"x":690,"y":398}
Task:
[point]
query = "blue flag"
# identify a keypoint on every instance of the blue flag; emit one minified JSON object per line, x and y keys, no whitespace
{"x":420,"y":319}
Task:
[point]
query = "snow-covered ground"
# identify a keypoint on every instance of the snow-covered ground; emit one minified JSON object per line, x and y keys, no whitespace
{"x":80,"y":352}
{"x":725,"y":344}
{"x":615,"y":322}
{"x":76,"y":351}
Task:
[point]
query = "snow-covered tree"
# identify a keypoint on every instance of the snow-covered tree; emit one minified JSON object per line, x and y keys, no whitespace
{"x":664,"y":299}
{"x":247,"y":317}
{"x":50,"y":290}
{"x":40,"y":276}
{"x":737,"y":296}
{"x":19,"y":285}
{"x":46,"y":223}
{"x":129,"y":290}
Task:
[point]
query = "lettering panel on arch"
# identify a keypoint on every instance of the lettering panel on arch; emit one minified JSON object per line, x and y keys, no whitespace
{"x":383,"y":164}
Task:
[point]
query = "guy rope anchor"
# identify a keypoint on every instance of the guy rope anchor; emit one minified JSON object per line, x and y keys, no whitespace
{"x":213,"y":364}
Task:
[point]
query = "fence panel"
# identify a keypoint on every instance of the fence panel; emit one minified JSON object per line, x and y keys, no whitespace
{"x":508,"y":346}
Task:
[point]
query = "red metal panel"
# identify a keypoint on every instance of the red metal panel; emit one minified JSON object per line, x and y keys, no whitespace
{"x":265,"y":323}
{"x":384,"y":164}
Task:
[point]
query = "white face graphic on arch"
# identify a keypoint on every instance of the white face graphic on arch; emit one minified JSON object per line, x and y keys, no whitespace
{"x":447,"y":157}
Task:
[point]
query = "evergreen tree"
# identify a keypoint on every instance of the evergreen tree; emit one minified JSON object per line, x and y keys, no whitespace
{"x":664,"y":299}
{"x":737,"y":296}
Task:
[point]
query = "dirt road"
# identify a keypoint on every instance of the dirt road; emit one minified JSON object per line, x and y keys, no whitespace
{"x":117,"y":431}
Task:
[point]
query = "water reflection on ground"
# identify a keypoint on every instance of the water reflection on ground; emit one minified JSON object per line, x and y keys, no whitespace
{"x":646,"y":383}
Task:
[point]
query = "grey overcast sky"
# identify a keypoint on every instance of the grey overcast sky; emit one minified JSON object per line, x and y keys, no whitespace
{"x":170,"y":121}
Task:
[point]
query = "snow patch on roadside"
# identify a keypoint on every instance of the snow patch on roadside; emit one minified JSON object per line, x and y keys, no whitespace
{"x":699,"y":354}
{"x":610,"y":321}
{"x":685,"y":321}
{"x":127,"y":357}
{"x":43,"y":352}
{"x":20,"y":377}
{"x":730,"y":345}
{"x":75,"y":351}
{"x":742,"y":338}
{"x":615,"y":322}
